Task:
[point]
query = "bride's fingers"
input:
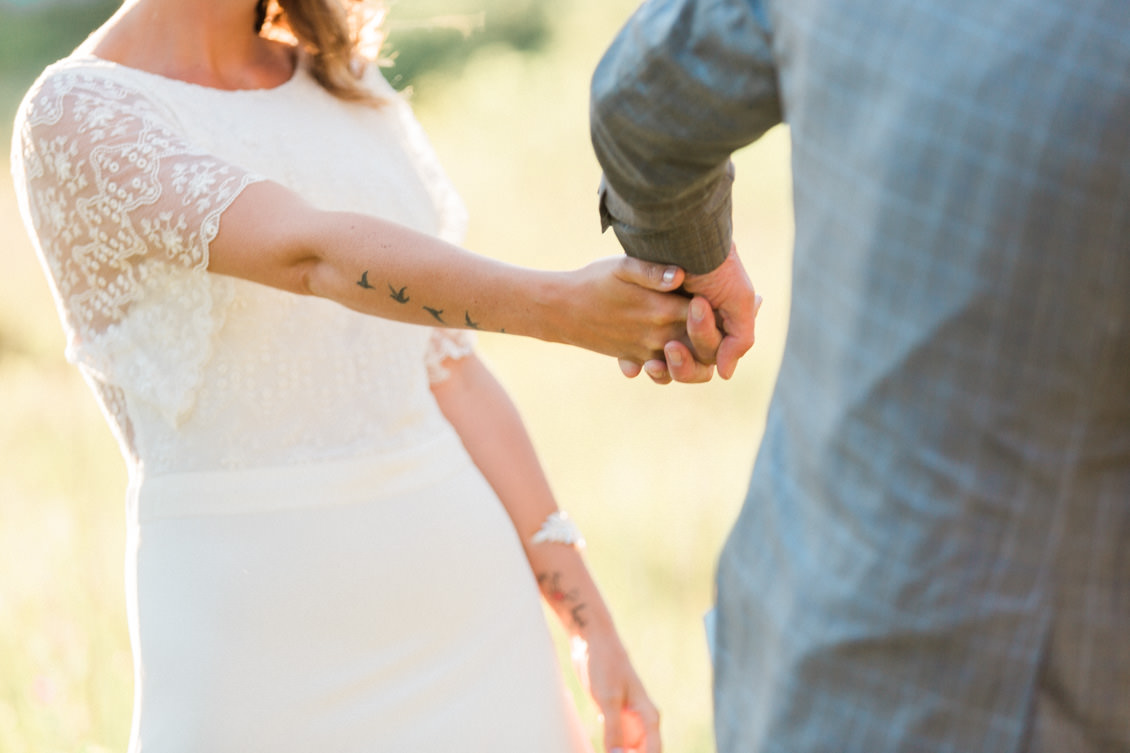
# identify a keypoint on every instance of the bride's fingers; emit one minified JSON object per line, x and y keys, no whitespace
{"x":659,"y":277}
{"x":639,"y":728}
{"x":630,"y":369}
{"x":613,"y":731}
{"x":649,"y":716}
{"x":656,"y":369}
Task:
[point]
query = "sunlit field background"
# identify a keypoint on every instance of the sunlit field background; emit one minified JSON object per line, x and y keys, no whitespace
{"x":654,"y":475}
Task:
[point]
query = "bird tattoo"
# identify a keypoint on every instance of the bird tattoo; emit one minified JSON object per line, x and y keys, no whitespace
{"x":398,"y":295}
{"x":437,"y":313}
{"x":468,"y":322}
{"x":364,"y":281}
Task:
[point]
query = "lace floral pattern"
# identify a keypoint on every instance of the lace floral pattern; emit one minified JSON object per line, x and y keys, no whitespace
{"x":123,"y":210}
{"x":123,"y":177}
{"x":447,"y":344}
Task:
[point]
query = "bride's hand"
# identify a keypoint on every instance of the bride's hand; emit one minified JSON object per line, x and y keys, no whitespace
{"x":618,"y":306}
{"x":629,"y":718}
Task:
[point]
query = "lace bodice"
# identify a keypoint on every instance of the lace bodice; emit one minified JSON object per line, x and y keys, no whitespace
{"x":122,"y":178}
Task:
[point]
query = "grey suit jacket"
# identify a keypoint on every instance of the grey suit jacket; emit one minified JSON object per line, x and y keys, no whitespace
{"x":934,"y":555}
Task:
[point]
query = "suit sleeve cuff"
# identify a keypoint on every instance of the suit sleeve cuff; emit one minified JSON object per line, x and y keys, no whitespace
{"x":697,"y":239}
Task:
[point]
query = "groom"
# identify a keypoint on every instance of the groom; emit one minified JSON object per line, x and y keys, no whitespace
{"x":934,"y":554}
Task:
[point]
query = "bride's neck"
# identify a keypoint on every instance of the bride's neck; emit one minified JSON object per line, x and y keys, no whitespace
{"x":207,"y":42}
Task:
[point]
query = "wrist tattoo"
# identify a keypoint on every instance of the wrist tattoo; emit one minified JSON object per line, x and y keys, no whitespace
{"x":437,"y":314}
{"x":550,"y":583}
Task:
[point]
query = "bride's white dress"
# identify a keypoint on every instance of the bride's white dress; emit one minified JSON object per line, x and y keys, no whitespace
{"x":315,"y":564}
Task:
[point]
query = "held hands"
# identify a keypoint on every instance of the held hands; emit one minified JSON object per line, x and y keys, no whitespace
{"x":630,"y":719}
{"x":618,"y":306}
{"x":720,"y":328}
{"x":655,"y":317}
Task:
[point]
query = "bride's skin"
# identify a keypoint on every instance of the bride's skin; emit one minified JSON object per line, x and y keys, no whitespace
{"x":272,"y":236}
{"x":493,"y":433}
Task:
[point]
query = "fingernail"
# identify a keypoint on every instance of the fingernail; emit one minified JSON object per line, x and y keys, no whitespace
{"x":698,"y":311}
{"x":669,"y":275}
{"x":675,"y":356}
{"x":654,"y":369}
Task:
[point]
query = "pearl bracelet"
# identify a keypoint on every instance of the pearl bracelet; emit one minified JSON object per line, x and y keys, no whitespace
{"x":559,"y":528}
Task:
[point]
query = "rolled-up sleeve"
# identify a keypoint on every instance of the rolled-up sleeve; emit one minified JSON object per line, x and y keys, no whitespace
{"x":685,"y":84}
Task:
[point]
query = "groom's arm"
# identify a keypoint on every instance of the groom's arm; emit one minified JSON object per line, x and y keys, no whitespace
{"x":683,"y":86}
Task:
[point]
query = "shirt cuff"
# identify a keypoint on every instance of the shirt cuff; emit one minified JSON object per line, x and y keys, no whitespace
{"x":697,"y":239}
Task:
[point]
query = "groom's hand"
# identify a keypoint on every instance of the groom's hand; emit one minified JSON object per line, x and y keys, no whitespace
{"x":703,"y":336}
{"x":724,"y":338}
{"x":722,"y":334}
{"x":690,"y":362}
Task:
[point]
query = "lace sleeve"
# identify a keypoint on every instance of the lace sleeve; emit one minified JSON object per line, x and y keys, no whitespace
{"x":447,"y":344}
{"x":121,"y":209}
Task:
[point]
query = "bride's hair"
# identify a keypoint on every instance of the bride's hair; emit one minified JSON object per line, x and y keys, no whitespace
{"x":338,"y":36}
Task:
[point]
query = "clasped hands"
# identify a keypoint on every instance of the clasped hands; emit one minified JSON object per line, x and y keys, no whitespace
{"x":719,"y":330}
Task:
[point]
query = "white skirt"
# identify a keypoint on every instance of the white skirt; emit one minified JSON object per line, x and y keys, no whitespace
{"x":367,"y":605}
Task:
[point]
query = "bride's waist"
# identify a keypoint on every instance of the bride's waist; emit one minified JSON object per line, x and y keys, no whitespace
{"x":363,"y":477}
{"x":234,"y":437}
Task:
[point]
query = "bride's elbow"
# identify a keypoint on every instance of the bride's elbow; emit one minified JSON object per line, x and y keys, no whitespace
{"x":312,"y":276}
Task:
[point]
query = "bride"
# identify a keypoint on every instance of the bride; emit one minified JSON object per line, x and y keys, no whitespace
{"x":338,"y":528}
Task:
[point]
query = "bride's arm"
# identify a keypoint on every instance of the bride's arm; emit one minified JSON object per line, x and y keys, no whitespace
{"x":495,"y":437}
{"x":272,"y":236}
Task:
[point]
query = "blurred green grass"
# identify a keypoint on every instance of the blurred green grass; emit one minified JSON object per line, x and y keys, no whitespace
{"x":653,"y":474}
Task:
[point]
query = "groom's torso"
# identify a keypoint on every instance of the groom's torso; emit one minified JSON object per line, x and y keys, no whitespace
{"x":930,"y":558}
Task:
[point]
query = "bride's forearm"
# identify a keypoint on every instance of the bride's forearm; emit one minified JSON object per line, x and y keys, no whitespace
{"x":381,"y":268}
{"x":493,"y":433}
{"x":568,"y":587}
{"x":390,"y":271}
